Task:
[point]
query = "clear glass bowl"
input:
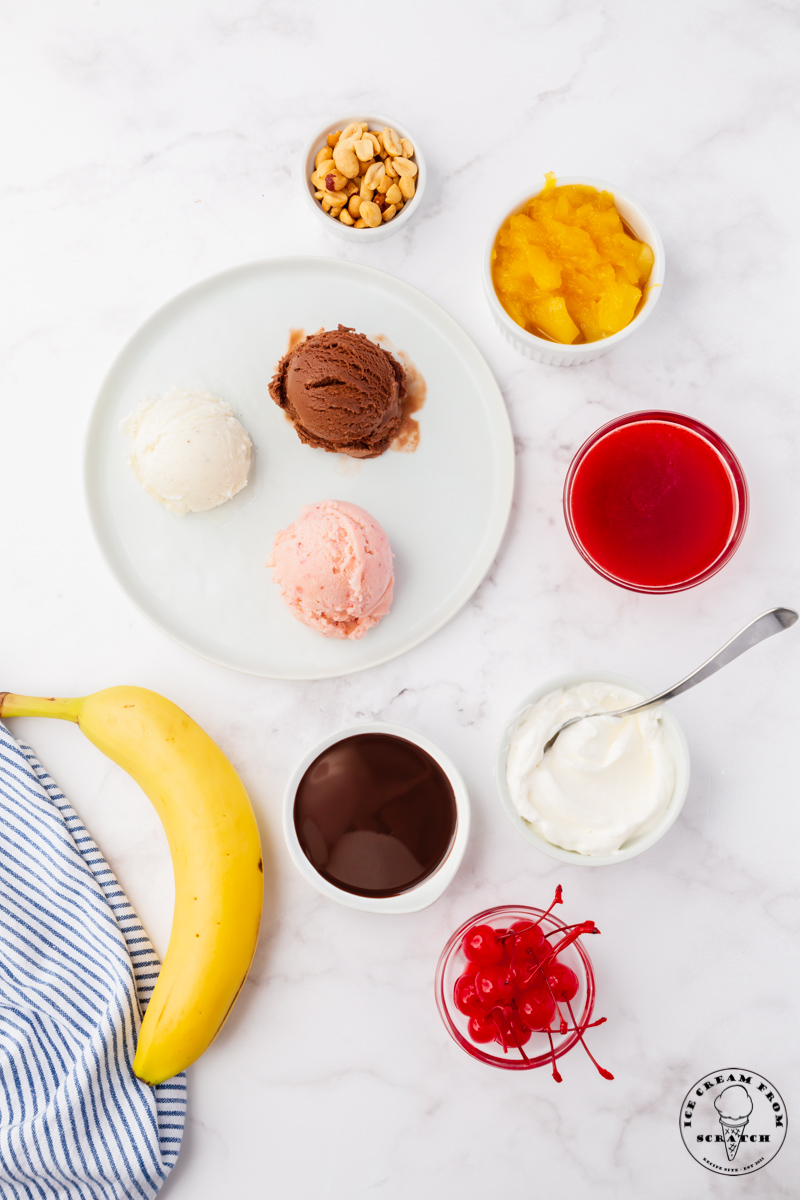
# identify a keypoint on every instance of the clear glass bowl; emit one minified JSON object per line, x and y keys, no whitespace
{"x":733,"y":469}
{"x":453,"y":962}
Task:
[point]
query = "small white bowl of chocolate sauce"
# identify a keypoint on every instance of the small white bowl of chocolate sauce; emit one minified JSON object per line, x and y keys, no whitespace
{"x":377,"y":818}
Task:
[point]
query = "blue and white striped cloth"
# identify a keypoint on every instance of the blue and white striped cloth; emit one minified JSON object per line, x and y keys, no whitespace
{"x":76,"y":970}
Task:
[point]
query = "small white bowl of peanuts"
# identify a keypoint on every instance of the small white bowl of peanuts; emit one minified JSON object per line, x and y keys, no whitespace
{"x":364,"y":178}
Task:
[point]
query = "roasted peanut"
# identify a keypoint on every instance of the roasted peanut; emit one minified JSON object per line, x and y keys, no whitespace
{"x":374,"y":175}
{"x":364,"y":148}
{"x":407,"y":186}
{"x":404,"y":166}
{"x":334,"y":182}
{"x":345,"y":158}
{"x":371,"y":214}
{"x":391,"y":142}
{"x":364,"y":176}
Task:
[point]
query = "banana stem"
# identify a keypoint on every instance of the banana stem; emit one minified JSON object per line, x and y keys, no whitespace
{"x":12,"y":705}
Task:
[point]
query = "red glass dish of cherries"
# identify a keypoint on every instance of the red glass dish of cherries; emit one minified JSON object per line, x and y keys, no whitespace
{"x":515,"y":987}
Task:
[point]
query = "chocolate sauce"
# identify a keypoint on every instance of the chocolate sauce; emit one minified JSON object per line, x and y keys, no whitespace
{"x":375,"y":814}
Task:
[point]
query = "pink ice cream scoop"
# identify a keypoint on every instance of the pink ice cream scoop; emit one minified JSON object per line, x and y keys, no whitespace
{"x":334,"y":568}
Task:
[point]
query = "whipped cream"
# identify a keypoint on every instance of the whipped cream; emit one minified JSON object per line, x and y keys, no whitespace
{"x":602,"y":781}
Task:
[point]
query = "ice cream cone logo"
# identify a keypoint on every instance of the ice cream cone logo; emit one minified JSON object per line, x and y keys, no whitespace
{"x":733,"y":1121}
{"x":734,"y":1106}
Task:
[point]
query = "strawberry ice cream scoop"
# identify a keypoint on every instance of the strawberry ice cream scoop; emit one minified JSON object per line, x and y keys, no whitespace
{"x":334,"y":568}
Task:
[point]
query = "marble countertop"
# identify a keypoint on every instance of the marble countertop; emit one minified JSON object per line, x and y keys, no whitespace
{"x":147,"y":146}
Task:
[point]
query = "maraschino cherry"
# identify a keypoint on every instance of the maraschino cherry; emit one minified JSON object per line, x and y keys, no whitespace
{"x":513,"y":985}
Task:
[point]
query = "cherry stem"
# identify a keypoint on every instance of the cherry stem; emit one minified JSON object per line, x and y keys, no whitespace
{"x":557,"y":899}
{"x":604,"y":1073}
{"x":556,"y":1074}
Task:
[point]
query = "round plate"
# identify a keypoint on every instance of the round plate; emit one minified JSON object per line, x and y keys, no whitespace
{"x":201,"y":578}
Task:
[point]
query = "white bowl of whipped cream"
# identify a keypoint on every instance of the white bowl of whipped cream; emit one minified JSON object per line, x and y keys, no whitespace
{"x":609,"y":787}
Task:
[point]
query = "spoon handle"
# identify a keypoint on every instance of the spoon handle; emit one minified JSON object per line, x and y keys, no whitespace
{"x":772,"y":621}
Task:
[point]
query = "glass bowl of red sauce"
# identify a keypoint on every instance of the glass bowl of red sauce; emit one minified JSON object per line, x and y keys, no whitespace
{"x":656,"y":502}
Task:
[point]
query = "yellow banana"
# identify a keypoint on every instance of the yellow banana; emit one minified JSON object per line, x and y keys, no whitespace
{"x":216,"y":859}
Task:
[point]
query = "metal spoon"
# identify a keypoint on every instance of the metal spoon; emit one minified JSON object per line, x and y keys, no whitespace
{"x":772,"y":621}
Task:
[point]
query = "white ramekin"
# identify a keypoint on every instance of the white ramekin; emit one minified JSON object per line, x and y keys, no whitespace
{"x":333,"y":225}
{"x":431,"y":888}
{"x":555,"y":354}
{"x":676,"y":743}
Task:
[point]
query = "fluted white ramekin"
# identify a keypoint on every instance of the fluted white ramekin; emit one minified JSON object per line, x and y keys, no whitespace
{"x":556,"y":354}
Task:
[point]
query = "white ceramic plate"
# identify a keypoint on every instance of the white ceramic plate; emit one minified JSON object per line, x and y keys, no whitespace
{"x":201,"y":578}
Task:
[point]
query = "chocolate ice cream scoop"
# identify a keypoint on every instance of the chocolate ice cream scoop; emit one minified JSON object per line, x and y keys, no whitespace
{"x":342,"y":391}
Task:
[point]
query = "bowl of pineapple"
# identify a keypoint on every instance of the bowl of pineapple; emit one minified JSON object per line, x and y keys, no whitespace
{"x":572,"y":270}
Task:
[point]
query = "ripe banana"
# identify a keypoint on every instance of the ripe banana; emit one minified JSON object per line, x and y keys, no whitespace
{"x":216,"y":857}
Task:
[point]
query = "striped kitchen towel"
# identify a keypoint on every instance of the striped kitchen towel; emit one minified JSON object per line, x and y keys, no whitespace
{"x":76,"y":971}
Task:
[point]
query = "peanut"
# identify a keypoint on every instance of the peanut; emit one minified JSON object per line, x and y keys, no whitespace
{"x":407,"y":186}
{"x":404,"y":166}
{"x":334,"y":182}
{"x":374,"y":174}
{"x":345,"y":158}
{"x":392,"y":142}
{"x":364,"y":176}
{"x":370,"y":214}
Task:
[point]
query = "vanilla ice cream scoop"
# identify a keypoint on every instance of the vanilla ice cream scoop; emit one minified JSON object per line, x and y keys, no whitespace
{"x":188,"y":450}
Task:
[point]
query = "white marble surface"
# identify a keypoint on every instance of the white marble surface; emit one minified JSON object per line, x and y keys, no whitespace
{"x":145,"y":146}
